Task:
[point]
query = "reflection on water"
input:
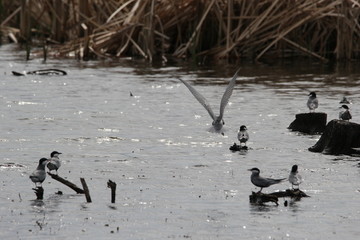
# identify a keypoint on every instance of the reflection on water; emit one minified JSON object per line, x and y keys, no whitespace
{"x":156,"y":147}
{"x":258,"y":209}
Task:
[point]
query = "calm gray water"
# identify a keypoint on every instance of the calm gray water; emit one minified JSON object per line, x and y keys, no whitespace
{"x":175,"y":179}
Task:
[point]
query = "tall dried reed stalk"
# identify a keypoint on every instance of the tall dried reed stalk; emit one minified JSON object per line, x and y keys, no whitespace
{"x":219,"y":28}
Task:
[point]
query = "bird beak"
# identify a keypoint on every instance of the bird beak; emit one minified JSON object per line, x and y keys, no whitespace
{"x":249,"y":170}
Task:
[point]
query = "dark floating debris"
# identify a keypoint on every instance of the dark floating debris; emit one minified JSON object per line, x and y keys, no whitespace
{"x":339,"y":137}
{"x":235,"y":147}
{"x":41,"y":72}
{"x":310,"y":123}
{"x":11,"y":165}
{"x":261,"y":198}
{"x":200,"y":165}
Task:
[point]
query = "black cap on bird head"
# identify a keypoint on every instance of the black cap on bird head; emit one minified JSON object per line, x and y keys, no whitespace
{"x":54,"y":153}
{"x":243,"y":127}
{"x":254,"y":170}
{"x":345,"y":107}
{"x":312,"y":94}
{"x":294,"y":168}
{"x":42,"y":160}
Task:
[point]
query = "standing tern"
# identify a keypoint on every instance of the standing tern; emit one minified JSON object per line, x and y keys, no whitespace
{"x":54,"y":161}
{"x":294,"y":177}
{"x":345,"y":114}
{"x":261,"y":182}
{"x":243,"y":135}
{"x":218,"y":121}
{"x":312,"y":102}
{"x":39,"y":175}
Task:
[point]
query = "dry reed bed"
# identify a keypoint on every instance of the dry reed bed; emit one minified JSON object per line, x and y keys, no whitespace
{"x":183,"y":28}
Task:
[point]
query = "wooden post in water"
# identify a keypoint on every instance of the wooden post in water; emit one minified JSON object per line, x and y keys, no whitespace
{"x":86,"y":190}
{"x":39,"y":191}
{"x":112,"y":186}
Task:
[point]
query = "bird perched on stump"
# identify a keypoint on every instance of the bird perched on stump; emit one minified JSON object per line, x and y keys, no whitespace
{"x":39,"y":175}
{"x":312,"y":102}
{"x":54,"y":161}
{"x":294,"y":177}
{"x":243,"y":135}
{"x":262,"y":182}
{"x":345,"y":114}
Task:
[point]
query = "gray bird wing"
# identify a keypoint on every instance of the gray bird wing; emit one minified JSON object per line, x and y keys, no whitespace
{"x":274,"y":181}
{"x":227,"y":94}
{"x":202,"y":100}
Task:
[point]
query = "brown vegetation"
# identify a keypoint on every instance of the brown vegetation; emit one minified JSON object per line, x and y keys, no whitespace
{"x":220,"y":28}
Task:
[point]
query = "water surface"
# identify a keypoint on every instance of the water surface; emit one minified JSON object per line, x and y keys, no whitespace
{"x":175,"y":179}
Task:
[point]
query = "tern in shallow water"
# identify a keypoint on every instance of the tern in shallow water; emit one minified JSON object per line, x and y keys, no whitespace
{"x":54,"y":161}
{"x":344,"y":100}
{"x":218,"y":121}
{"x":39,"y":175}
{"x":261,"y":182}
{"x":312,"y":102}
{"x":345,"y":114}
{"x":243,"y":135}
{"x":294,"y":177}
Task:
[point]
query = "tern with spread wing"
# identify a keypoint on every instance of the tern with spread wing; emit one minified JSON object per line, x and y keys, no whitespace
{"x":218,"y":121}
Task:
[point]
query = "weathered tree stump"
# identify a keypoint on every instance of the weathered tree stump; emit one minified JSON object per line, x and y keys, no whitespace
{"x":39,"y":191}
{"x":66,"y":182}
{"x":311,"y":123}
{"x":339,"y":137}
{"x":261,"y":198}
{"x":236,"y":147}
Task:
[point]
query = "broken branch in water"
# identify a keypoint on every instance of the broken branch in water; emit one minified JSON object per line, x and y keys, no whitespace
{"x":86,"y":190}
{"x":66,"y":182}
{"x":112,"y":186}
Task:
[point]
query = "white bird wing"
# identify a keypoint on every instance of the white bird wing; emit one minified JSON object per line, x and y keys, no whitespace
{"x":227,"y":94}
{"x":202,"y":100}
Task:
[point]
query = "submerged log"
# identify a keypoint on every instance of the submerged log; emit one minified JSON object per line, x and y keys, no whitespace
{"x":41,"y":72}
{"x":236,"y":147}
{"x":66,"y":182}
{"x":261,"y":198}
{"x":311,"y":123}
{"x":340,"y":137}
